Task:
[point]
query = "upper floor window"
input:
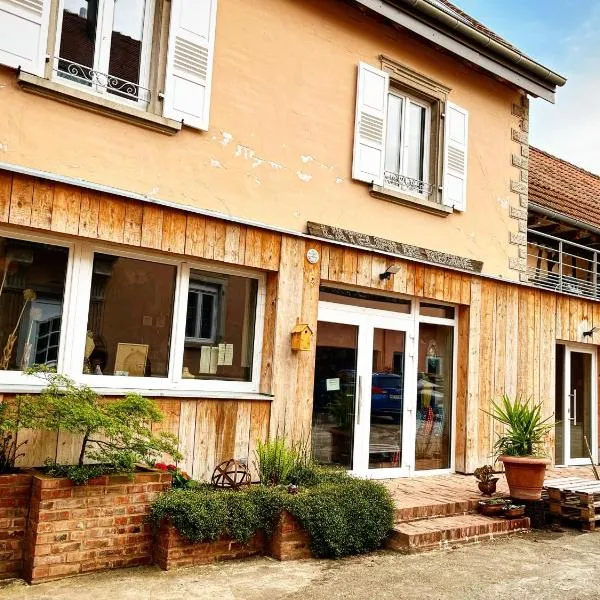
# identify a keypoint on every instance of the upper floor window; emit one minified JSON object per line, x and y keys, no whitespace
{"x":155,"y":55}
{"x":104,"y":45}
{"x":406,"y":160}
{"x":410,"y":143}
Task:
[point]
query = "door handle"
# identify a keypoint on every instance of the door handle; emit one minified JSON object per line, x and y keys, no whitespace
{"x":573,"y":407}
{"x":359,"y":400}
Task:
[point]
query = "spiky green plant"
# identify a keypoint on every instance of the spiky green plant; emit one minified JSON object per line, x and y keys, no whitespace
{"x":276,"y":460}
{"x":525,"y":431}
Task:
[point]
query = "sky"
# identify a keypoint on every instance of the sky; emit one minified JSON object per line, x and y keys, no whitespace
{"x":563,"y":35}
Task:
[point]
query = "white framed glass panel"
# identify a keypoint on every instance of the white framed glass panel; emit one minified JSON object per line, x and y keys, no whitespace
{"x":32,"y":292}
{"x":393,"y":145}
{"x":219,"y":327}
{"x":415,"y":154}
{"x":130,"y":317}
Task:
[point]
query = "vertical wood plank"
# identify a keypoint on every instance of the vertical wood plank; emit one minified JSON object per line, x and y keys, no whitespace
{"x":88,"y":214}
{"x":152,"y":225}
{"x":260,"y":417}
{"x":194,"y":235}
{"x":187,"y":436}
{"x":171,"y":410}
{"x":21,"y":198}
{"x":41,"y":206}
{"x":173,"y":232}
{"x":363,"y":269}
{"x":242,"y":432}
{"x":512,"y":340}
{"x":325,"y":263}
{"x":111,"y":219}
{"x":268,"y":346}
{"x":253,"y":247}
{"x":462,"y":389}
{"x":472,"y":409}
{"x":232,"y":243}
{"x":132,"y":232}
{"x":210,"y":234}
{"x":336,"y":263}
{"x":65,"y":210}
{"x":219,"y":248}
{"x":5,"y":195}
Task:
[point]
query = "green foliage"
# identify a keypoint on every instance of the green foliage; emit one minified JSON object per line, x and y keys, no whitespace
{"x":115,"y":432}
{"x":78,"y":474}
{"x":484,"y":474}
{"x":276,"y":461}
{"x":525,"y":431}
{"x":343,"y":517}
{"x":350,"y":517}
{"x":14,"y":416}
{"x":309,"y":474}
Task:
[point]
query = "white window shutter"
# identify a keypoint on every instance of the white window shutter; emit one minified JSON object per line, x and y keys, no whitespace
{"x":369,"y":127}
{"x":454,"y":191}
{"x":24,"y":34}
{"x":190,"y":61}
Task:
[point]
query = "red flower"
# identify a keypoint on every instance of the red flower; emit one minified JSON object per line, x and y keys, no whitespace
{"x":171,"y":467}
{"x":161,"y":466}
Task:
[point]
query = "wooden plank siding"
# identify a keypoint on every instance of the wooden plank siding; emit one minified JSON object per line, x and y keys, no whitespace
{"x":507,"y":333}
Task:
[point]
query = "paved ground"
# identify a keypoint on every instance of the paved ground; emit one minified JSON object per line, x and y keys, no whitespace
{"x":541,"y":565}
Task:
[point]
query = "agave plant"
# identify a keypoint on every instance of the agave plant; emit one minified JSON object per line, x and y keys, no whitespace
{"x":525,"y":431}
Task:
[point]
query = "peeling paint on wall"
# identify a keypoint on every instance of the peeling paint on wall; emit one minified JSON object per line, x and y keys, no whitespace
{"x":339,"y":180}
{"x":303,"y":176}
{"x":216,"y":163}
{"x":306,"y":159}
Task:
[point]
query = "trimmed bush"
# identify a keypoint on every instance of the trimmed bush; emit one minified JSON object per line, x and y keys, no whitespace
{"x":342,"y":515}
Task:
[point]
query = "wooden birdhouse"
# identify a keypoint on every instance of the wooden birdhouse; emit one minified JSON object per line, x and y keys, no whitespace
{"x":301,"y":337}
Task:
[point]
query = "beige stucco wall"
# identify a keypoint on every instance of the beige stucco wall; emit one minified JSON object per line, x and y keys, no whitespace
{"x":279,"y":149}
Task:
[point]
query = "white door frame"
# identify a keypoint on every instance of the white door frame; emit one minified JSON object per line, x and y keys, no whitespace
{"x":367,"y":320}
{"x":566,"y":459}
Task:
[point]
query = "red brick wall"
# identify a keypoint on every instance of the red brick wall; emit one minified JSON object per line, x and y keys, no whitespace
{"x":14,"y":505}
{"x":171,"y":550}
{"x":289,"y":541}
{"x":79,"y":529}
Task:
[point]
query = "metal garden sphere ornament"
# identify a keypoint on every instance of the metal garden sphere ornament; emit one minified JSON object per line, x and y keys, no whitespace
{"x":231,"y":474}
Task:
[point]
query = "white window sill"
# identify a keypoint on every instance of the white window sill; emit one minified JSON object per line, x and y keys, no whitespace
{"x":81,"y":99}
{"x":32,"y":387}
{"x":420,"y":203}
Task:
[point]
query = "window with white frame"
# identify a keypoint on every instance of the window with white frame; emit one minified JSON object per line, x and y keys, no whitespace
{"x":113,"y":50}
{"x":406,"y":162}
{"x":127,"y":320}
{"x":410,"y":143}
{"x":32,"y":291}
{"x":104,"y":45}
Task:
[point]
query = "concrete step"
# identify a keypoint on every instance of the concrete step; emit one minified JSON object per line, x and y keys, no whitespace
{"x":413,"y":510}
{"x":445,"y":532}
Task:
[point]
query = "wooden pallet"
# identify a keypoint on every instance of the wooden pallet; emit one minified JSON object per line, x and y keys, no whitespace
{"x":575,"y":499}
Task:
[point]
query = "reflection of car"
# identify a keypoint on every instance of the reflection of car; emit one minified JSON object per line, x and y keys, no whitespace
{"x":387,"y":395}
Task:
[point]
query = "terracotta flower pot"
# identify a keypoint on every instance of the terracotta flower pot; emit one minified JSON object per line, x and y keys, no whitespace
{"x":491,"y":510}
{"x":525,"y":476}
{"x":488,"y":488}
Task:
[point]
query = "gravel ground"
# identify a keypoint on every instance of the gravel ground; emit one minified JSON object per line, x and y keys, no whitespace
{"x":540,"y":565}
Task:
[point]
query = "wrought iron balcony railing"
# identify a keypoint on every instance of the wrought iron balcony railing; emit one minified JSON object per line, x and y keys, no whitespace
{"x":562,"y":266}
{"x":100,"y":82}
{"x":407,"y":184}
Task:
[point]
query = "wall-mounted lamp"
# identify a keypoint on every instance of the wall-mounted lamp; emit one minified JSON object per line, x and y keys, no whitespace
{"x":391,"y":270}
{"x":591,"y":332}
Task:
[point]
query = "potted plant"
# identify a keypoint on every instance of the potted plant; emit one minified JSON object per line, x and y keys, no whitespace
{"x":493,"y":507}
{"x":521,"y":445}
{"x":486,"y":480}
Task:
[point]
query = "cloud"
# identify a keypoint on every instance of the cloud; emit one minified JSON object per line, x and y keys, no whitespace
{"x":570,"y":129}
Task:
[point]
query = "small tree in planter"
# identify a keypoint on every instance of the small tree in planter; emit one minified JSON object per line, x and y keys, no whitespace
{"x":521,"y":445}
{"x":116,"y":434}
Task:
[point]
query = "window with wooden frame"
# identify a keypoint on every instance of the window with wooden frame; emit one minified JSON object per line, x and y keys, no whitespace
{"x":112,"y":51}
{"x":410,"y":142}
{"x":122,"y":320}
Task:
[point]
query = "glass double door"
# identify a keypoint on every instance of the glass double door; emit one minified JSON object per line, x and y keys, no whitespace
{"x":576,"y":411}
{"x":365,"y":391}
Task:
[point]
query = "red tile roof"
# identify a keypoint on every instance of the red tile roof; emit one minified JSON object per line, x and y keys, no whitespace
{"x":562,"y":187}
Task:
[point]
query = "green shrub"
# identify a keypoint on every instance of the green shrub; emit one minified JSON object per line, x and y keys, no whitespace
{"x":343,"y":516}
{"x":351,"y":516}
{"x":310,"y":474}
{"x":78,"y":474}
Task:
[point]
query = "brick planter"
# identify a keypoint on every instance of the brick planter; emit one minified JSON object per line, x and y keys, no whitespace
{"x":289,"y":541}
{"x":171,"y":550}
{"x":15,"y":490}
{"x":79,"y":529}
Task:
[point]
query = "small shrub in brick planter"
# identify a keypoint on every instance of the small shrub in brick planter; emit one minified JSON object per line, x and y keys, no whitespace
{"x":340,"y":517}
{"x":77,"y":529}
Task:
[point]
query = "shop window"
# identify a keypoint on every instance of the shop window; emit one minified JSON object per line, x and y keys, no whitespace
{"x":32,"y":291}
{"x":130,"y":317}
{"x":219,"y":334}
{"x":440,"y":311}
